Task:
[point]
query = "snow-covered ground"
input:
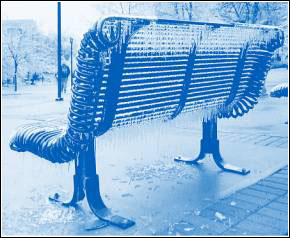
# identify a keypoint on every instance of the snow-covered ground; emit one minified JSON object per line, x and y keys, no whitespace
{"x":139,"y":179}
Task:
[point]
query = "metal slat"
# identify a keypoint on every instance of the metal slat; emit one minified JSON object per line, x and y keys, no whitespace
{"x":149,"y":112}
{"x":153,"y":68}
{"x":214,"y":95}
{"x":208,"y":91}
{"x":217,"y":56}
{"x":148,"y":80}
{"x":148,"y":91}
{"x":154,"y":58}
{"x":209,"y":83}
{"x":217,"y":70}
{"x":150,"y":74}
{"x":149,"y":85}
{"x":143,"y":102}
{"x":163,"y":62}
{"x":152,"y":106}
{"x":217,"y":60}
{"x":196,"y":104}
{"x":216,"y":64}
{"x":211,"y":78}
{"x":149,"y":96}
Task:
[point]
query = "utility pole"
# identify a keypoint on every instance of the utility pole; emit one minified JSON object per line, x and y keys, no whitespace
{"x":59,"y":79}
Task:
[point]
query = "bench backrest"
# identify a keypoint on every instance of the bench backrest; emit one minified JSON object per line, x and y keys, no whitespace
{"x":131,"y":70}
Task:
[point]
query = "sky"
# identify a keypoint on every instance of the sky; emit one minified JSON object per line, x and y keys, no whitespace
{"x":77,"y":17}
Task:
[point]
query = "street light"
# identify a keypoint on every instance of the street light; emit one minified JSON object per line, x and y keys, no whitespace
{"x":71,"y":61}
{"x":59,"y":76}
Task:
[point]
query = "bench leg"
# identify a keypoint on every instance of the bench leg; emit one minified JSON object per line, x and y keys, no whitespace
{"x":93,"y":194}
{"x":78,"y":194}
{"x":210,"y":145}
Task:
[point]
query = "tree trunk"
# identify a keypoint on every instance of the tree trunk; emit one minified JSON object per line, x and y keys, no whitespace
{"x":15,"y":75}
{"x":190,"y":11}
{"x":255,"y":13}
{"x":176,"y":10}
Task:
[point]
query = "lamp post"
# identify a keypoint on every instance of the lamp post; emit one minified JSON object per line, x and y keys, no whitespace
{"x":59,"y":79}
{"x":71,"y":61}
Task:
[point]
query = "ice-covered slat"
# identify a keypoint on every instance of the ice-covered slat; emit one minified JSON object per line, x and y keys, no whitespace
{"x":153,"y":58}
{"x":215,"y":60}
{"x":147,"y":102}
{"x":200,"y":65}
{"x":148,"y":95}
{"x":149,"y":90}
{"x":209,"y":70}
{"x":153,"y":69}
{"x":157,"y":63}
{"x":206,"y":86}
{"x":145,"y":113}
{"x":208,"y":91}
{"x":147,"y":106}
{"x":213,"y":95}
{"x":152,"y":79}
{"x":150,"y":85}
{"x":151,"y":74}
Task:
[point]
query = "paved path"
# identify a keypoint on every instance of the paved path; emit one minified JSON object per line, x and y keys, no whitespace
{"x":260,"y":209}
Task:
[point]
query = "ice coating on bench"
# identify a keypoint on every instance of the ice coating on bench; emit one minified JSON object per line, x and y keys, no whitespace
{"x":132,"y":71}
{"x":157,"y":58}
{"x":135,"y":70}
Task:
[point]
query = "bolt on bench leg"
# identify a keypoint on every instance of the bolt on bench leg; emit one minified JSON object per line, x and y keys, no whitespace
{"x":210,"y":145}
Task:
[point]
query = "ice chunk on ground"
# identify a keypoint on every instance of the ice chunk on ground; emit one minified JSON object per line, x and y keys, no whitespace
{"x":220,"y":216}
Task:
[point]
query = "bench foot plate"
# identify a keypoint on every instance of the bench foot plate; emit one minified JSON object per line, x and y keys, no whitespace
{"x":98,"y":224}
{"x":228,"y":167}
{"x":55,"y":198}
{"x":235,"y":169}
{"x":209,"y":144}
{"x":186,"y":160}
{"x":98,"y":207}
{"x":107,"y":216}
{"x":219,"y":162}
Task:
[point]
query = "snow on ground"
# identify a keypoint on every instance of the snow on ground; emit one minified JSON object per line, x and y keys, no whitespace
{"x":139,"y":179}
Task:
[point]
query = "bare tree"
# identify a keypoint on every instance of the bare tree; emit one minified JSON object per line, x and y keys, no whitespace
{"x":253,"y":12}
{"x":126,"y":7}
{"x":269,"y":13}
{"x":15,"y":40}
{"x":190,"y":11}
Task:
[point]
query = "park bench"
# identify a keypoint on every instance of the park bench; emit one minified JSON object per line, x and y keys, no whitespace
{"x":132,"y":70}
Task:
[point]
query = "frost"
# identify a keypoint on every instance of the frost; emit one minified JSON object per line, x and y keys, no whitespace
{"x":54,"y":215}
{"x":158,"y":169}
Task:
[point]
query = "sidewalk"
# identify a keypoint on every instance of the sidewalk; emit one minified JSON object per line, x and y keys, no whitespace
{"x":260,"y":209}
